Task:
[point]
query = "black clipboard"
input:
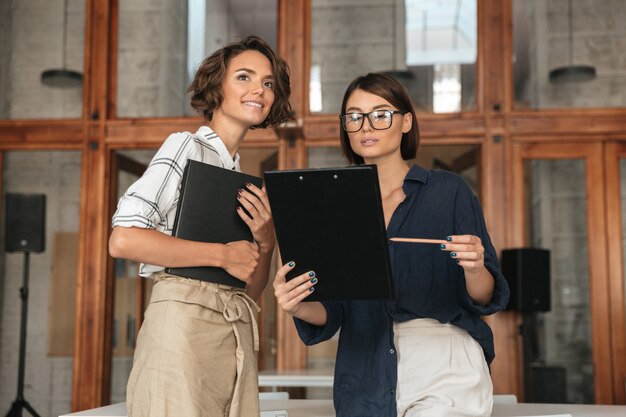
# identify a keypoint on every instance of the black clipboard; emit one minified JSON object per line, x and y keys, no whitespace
{"x":207,"y":212}
{"x":331,"y":221}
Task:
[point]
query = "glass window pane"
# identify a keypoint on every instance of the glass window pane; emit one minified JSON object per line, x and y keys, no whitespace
{"x":161,"y":44}
{"x":40,"y":36}
{"x":429,"y":45}
{"x":52,"y":283}
{"x":576,"y":35}
{"x":127,"y":286}
{"x":463,"y":160}
{"x":326,"y":157}
{"x":561,"y":367}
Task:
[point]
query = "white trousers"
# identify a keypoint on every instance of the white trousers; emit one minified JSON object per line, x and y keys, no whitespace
{"x":441,"y":371}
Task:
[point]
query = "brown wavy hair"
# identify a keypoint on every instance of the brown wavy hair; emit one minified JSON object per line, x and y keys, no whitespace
{"x":206,"y":88}
{"x":391,"y":90}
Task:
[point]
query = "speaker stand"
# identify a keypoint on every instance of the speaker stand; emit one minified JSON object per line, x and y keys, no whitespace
{"x":20,"y":402}
{"x":529,"y":339}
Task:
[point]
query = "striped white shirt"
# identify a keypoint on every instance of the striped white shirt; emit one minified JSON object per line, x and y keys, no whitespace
{"x":150,"y":203}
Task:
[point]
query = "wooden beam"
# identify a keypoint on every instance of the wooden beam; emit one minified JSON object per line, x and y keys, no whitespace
{"x":293,"y":41}
{"x":615,"y":153}
{"x":293,"y":24}
{"x":38,"y":133}
{"x":153,"y":131}
{"x":91,"y":348}
{"x":577,"y":121}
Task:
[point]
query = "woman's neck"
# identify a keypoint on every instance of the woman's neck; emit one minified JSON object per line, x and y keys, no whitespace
{"x":231,"y":134}
{"x":391,"y":174}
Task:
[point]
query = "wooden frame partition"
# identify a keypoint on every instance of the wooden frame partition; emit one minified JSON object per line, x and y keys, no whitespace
{"x":592,"y":155}
{"x":504,"y":133}
{"x":614,"y":153}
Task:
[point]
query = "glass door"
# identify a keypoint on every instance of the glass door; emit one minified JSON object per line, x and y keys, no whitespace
{"x":128,"y":292}
{"x":559,"y":206}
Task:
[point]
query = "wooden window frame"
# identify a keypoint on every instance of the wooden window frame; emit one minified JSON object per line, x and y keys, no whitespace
{"x":495,"y":124}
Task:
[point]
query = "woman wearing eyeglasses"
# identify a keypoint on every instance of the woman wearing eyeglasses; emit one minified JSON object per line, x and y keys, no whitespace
{"x":427,"y":352}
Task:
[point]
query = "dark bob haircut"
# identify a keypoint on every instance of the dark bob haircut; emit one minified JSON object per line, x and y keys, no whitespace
{"x":390,"y":89}
{"x":206,"y":88}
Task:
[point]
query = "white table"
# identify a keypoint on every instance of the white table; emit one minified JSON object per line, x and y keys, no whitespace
{"x":295,"y":408}
{"x":296,"y":378}
{"x":576,"y":410}
{"x":324,"y":408}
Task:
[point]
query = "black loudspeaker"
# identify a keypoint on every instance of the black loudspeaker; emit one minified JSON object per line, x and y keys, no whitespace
{"x":527,"y":270}
{"x":25,"y":223}
{"x":548,"y":384}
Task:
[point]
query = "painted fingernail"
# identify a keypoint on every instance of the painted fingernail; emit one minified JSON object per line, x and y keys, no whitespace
{"x":458,"y":261}
{"x":248,"y":184}
{"x":313,"y":281}
{"x":449,"y":238}
{"x":238,"y":208}
{"x":453,"y":254}
{"x":442,"y":246}
{"x":311,"y":289}
{"x":311,"y":274}
{"x":291,"y":264}
{"x":239,"y":191}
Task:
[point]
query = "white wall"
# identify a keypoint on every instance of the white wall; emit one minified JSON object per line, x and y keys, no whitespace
{"x":599,"y":39}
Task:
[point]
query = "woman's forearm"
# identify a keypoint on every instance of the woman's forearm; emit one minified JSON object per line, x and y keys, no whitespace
{"x":156,"y":248}
{"x":312,"y":312}
{"x":260,"y":276}
{"x":480,"y":285}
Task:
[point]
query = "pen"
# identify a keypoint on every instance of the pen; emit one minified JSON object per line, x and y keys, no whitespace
{"x":417,"y":240}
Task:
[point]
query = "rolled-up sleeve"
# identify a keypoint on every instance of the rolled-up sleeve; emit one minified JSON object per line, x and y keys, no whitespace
{"x":311,"y":334}
{"x":147,"y":201}
{"x":470,"y":220}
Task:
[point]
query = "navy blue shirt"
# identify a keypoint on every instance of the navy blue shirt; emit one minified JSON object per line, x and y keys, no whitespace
{"x":428,"y":284}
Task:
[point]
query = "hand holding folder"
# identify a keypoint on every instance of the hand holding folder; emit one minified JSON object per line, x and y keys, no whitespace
{"x":207,"y":212}
{"x":331,"y":221}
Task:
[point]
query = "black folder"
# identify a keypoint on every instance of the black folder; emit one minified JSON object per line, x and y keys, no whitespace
{"x":331,"y":221}
{"x":207,"y":212}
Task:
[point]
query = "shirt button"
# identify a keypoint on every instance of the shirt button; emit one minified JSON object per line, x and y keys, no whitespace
{"x":392,"y":351}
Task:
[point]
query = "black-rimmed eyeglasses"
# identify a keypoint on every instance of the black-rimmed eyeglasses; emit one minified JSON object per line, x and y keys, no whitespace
{"x":379,"y":120}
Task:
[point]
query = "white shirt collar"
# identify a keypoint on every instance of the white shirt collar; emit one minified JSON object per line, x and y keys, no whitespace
{"x":217,"y":143}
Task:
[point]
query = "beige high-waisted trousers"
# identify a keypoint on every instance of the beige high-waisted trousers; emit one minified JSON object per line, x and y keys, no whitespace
{"x":442,"y":371}
{"x":196,"y":352}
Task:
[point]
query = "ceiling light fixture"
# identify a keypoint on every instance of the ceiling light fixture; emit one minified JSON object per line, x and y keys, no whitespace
{"x":571,"y":73}
{"x":62,"y":77}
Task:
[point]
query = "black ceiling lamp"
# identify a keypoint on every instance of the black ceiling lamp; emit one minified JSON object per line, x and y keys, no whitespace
{"x":571,"y":73}
{"x":62,"y":77}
